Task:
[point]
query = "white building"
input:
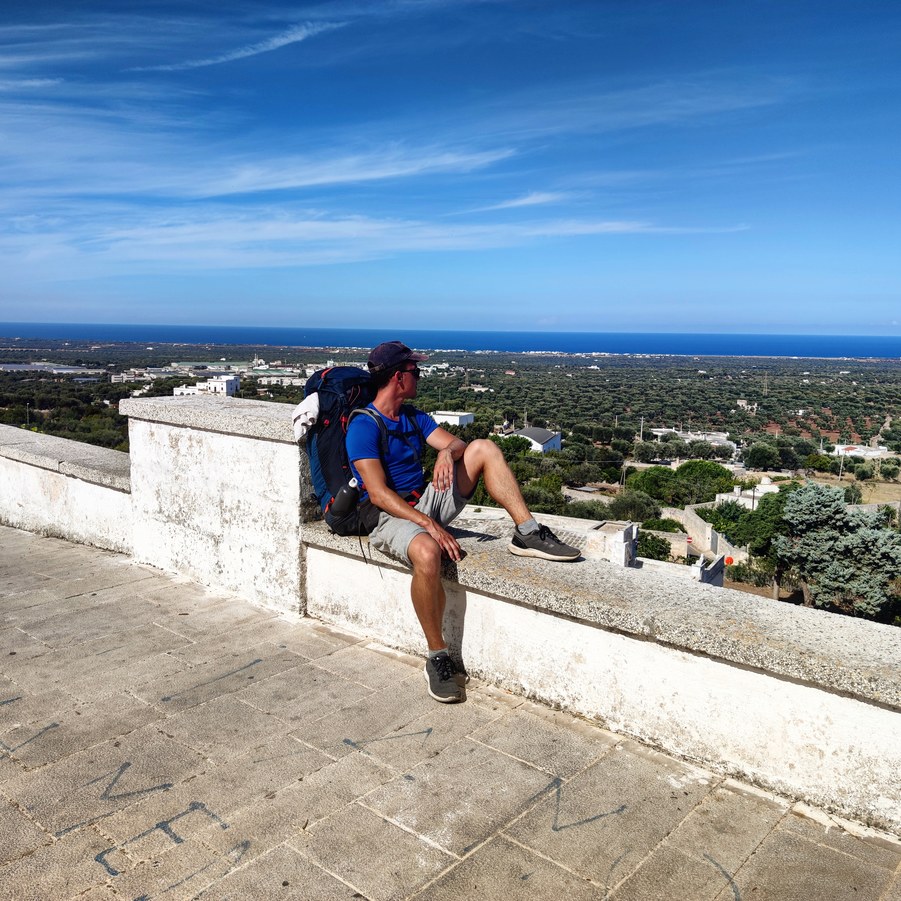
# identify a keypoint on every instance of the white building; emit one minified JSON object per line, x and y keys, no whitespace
{"x":860,"y":450}
{"x":541,"y":440}
{"x":718,"y":439}
{"x":452,"y":418}
{"x":226,"y":385}
{"x":749,"y":497}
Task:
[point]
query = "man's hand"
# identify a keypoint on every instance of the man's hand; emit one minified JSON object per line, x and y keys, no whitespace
{"x":443,"y":473}
{"x":445,"y":540}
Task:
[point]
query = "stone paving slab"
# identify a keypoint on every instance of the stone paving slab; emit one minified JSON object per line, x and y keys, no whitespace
{"x":158,"y":740}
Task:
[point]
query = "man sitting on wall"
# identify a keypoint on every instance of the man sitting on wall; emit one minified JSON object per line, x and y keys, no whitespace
{"x":413,"y":516}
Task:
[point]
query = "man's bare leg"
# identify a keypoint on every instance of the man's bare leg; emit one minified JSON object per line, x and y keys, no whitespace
{"x":426,"y":589}
{"x":429,"y":600}
{"x":484,"y":458}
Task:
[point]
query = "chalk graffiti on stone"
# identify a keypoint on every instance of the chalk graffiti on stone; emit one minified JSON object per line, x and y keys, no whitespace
{"x":107,"y":795}
{"x":164,"y":826}
{"x":359,"y":744}
{"x":11,"y":750}
{"x":240,"y":669}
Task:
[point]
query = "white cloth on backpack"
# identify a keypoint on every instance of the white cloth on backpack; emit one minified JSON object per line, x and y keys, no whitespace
{"x":305,"y":414}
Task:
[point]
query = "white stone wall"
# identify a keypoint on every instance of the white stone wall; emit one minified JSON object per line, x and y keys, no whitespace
{"x":800,"y":701}
{"x":219,"y":508}
{"x":64,"y":506}
{"x":801,"y":740}
{"x":54,"y":486}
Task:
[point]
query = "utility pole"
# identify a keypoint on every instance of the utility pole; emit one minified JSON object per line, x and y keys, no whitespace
{"x":641,"y":433}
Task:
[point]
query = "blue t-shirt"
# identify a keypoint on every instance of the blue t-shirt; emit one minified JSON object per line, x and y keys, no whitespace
{"x":402,"y":465}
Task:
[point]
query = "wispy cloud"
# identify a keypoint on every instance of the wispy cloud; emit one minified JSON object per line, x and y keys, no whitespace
{"x":581,"y":108}
{"x":23,"y":84}
{"x":218,"y":238}
{"x":535,"y":198}
{"x":292,"y":36}
{"x":377,"y":164}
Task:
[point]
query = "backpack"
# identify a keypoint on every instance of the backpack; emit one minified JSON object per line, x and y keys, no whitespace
{"x":344,"y":392}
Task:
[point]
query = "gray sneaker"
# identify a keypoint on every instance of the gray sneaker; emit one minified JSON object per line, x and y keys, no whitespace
{"x":440,"y":676}
{"x":543,"y":543}
{"x":460,"y":673}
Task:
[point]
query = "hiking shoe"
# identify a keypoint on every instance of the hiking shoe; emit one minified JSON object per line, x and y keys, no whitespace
{"x":440,"y":676}
{"x":460,"y":673}
{"x":543,"y":543}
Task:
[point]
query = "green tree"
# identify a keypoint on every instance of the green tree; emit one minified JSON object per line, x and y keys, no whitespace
{"x":513,"y":447}
{"x":703,"y":480}
{"x":844,"y":560}
{"x":635,"y":506}
{"x":820,"y":463}
{"x":666,"y":524}
{"x":646,"y":451}
{"x":726,"y":518}
{"x":659,"y":482}
{"x":653,"y":547}
{"x":700,"y":450}
{"x":587,"y":510}
{"x":762,"y":455}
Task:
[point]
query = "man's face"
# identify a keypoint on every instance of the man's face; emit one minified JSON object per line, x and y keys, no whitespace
{"x":409,"y":376}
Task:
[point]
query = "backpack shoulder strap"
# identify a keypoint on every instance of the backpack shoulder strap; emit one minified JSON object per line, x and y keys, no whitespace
{"x":411,"y":412}
{"x":383,"y":429}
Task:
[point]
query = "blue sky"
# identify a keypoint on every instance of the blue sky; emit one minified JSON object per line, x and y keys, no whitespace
{"x":677,"y":165}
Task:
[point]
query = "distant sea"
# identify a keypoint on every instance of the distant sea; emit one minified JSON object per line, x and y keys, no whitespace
{"x":679,"y":344}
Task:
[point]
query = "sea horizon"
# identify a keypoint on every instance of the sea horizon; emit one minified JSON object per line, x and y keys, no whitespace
{"x":475,"y":341}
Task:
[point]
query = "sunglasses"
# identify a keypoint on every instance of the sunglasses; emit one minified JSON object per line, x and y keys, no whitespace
{"x":416,"y":372}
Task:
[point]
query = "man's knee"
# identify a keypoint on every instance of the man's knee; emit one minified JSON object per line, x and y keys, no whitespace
{"x":482,"y":451}
{"x":425,"y":554}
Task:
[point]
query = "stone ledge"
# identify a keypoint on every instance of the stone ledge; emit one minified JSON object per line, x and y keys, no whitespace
{"x":233,"y":416}
{"x":98,"y":465}
{"x":852,"y":657}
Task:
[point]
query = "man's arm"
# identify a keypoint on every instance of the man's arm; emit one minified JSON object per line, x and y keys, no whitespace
{"x":450,"y":449}
{"x":393,"y":504}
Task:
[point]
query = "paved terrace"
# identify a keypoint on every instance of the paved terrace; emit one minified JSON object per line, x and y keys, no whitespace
{"x":160,"y":741}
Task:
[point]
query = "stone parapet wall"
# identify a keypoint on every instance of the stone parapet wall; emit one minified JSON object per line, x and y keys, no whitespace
{"x":704,"y":538}
{"x":779,"y":695}
{"x":216,"y":486}
{"x":66,"y":489}
{"x":798,"y":700}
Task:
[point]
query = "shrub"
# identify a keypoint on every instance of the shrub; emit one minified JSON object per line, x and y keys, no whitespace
{"x":633,"y":505}
{"x":653,"y":547}
{"x":663,"y":525}
{"x":587,"y":510}
{"x":752,"y":572}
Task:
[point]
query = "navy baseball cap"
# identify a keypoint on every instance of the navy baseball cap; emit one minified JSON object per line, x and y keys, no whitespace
{"x":391,"y":354}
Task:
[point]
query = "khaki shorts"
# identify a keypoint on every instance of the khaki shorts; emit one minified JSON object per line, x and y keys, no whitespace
{"x":393,"y":535}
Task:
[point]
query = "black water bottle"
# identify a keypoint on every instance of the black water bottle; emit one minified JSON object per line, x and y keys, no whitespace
{"x":346,"y":499}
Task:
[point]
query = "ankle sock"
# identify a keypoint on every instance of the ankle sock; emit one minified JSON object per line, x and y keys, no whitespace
{"x":436,"y":653}
{"x":527,"y":527}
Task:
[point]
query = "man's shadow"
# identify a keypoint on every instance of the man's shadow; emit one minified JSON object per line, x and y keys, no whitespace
{"x":455,"y":612}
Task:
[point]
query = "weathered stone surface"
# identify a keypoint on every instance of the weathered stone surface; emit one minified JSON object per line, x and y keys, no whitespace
{"x":219,"y":506}
{"x":849,"y":655}
{"x":87,"y":462}
{"x":800,"y":737}
{"x":228,"y":795}
{"x":228,"y":415}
